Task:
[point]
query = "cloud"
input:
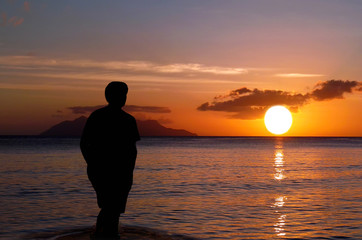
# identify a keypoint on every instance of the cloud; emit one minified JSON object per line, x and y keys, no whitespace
{"x":26,"y":6}
{"x":245,"y":103}
{"x":298,"y":75}
{"x":127,"y":108}
{"x":51,"y":73}
{"x":13,"y":8}
{"x":84,"y":109}
{"x":147,"y":109}
{"x":191,"y":67}
{"x":334,"y":89}
{"x":15,"y":21}
{"x":119,"y":66}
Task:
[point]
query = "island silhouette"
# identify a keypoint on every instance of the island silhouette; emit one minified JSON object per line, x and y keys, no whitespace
{"x":146,"y":128}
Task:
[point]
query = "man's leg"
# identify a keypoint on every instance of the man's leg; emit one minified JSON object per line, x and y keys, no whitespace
{"x":109,"y":220}
{"x":101,"y":221}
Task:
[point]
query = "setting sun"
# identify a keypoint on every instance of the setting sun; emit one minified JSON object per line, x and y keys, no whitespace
{"x":278,"y":120}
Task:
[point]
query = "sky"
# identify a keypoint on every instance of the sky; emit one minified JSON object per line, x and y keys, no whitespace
{"x":212,"y":67}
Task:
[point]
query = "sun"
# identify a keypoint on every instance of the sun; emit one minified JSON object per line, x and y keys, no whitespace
{"x":278,"y":120}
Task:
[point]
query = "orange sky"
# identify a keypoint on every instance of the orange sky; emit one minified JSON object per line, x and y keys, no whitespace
{"x":179,"y":56}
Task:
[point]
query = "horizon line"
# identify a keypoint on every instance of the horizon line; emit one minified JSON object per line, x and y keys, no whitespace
{"x":198,"y":136}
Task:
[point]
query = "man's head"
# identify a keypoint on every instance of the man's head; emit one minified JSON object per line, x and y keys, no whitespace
{"x":116,"y":93}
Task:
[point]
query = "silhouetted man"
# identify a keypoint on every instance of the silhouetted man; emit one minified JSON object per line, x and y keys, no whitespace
{"x":108,"y":146}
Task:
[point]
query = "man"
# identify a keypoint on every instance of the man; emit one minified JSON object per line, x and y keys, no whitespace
{"x":108,"y":145}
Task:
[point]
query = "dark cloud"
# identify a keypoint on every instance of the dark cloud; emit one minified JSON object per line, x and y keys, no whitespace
{"x":334,"y":89}
{"x":240,"y":91}
{"x":245,"y":103}
{"x":84,"y":109}
{"x":234,"y":93}
{"x":251,"y":104}
{"x":127,"y":108}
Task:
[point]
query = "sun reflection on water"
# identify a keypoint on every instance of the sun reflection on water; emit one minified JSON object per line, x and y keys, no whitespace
{"x":281,"y":220}
{"x":279,"y":164}
{"x":279,"y":201}
{"x":279,"y":226}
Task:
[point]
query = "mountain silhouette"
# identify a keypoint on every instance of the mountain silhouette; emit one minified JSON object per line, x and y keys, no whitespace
{"x":66,"y":128}
{"x":145,"y":127}
{"x":154,"y":128}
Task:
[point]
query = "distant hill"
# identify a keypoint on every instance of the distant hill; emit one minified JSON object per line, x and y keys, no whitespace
{"x":146,"y":128}
{"x":154,"y":128}
{"x":66,"y":128}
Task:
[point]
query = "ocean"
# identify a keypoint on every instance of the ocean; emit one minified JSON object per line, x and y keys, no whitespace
{"x":204,"y":187}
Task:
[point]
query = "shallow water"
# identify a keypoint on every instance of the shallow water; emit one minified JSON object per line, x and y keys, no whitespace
{"x":210,"y":188}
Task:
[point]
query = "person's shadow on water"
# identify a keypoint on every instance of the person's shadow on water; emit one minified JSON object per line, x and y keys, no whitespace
{"x":108,"y":145}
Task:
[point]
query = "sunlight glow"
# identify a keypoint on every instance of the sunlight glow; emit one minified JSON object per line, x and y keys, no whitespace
{"x":278,"y":119}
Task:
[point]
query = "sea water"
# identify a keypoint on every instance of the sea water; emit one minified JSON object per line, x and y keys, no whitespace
{"x":205,"y":187}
